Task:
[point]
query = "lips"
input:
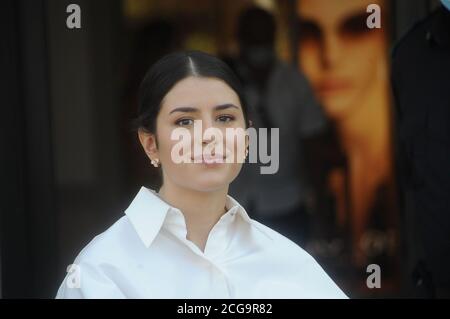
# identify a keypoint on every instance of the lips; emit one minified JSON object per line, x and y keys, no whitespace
{"x":209,"y":159}
{"x":331,"y":86}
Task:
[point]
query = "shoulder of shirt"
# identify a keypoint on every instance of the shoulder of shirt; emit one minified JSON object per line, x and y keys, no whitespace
{"x":107,"y":245}
{"x":283,"y":244}
{"x":285,"y":249}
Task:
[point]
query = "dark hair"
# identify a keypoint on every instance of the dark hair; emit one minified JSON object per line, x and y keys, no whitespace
{"x":169,"y":70}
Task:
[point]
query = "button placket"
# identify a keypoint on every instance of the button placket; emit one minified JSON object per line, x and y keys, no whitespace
{"x":215,"y":247}
{"x":222,"y":274}
{"x":217,"y":238}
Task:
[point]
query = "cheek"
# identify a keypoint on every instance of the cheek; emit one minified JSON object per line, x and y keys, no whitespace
{"x":165,"y":145}
{"x":364,"y":53}
{"x":235,"y":146}
{"x":309,"y":60}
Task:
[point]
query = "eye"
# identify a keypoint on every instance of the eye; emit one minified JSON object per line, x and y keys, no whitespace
{"x":355,"y":25}
{"x":184,"y":122}
{"x":225,"y":118}
{"x":308,"y":30}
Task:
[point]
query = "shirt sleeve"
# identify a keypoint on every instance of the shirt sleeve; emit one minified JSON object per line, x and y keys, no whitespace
{"x":86,"y":281}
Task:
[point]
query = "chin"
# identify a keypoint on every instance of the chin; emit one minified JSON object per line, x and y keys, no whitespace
{"x":209,"y":184}
{"x":338,"y":107}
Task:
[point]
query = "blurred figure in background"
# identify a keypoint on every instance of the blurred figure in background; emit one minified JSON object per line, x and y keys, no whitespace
{"x":346,"y":63}
{"x":280,"y":97}
{"x":421,"y":82}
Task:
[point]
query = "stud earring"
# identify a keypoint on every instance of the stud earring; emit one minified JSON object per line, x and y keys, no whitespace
{"x":155,"y":162}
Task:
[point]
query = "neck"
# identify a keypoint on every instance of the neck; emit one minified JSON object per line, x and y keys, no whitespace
{"x":201,"y":210}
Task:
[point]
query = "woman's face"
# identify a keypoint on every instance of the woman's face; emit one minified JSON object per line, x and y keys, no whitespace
{"x":338,"y":52}
{"x":216,"y":105}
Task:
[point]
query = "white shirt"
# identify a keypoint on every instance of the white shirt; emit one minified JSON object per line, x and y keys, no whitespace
{"x":145,"y":254}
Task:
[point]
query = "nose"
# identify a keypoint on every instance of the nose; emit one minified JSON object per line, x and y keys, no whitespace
{"x":209,"y":138}
{"x":200,"y":138}
{"x":206,"y":124}
{"x":331,"y":49}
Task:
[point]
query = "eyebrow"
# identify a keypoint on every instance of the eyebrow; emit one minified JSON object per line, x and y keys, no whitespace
{"x":355,"y":14}
{"x":194,"y":109}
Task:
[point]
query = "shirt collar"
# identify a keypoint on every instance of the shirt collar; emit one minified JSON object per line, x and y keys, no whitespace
{"x":147,"y":213}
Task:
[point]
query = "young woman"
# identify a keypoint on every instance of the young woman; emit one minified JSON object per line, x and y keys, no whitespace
{"x":190,"y":239}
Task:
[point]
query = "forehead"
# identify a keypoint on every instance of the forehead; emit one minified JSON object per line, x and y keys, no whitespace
{"x":200,"y":92}
{"x":330,"y":12}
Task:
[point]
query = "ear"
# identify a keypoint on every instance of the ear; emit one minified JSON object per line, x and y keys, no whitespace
{"x":247,"y":139}
{"x":148,"y":142}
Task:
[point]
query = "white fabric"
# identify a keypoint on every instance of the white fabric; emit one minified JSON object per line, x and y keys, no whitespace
{"x":145,"y":254}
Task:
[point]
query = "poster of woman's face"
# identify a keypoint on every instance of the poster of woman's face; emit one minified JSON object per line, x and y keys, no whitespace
{"x":346,"y":64}
{"x":341,"y":56}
